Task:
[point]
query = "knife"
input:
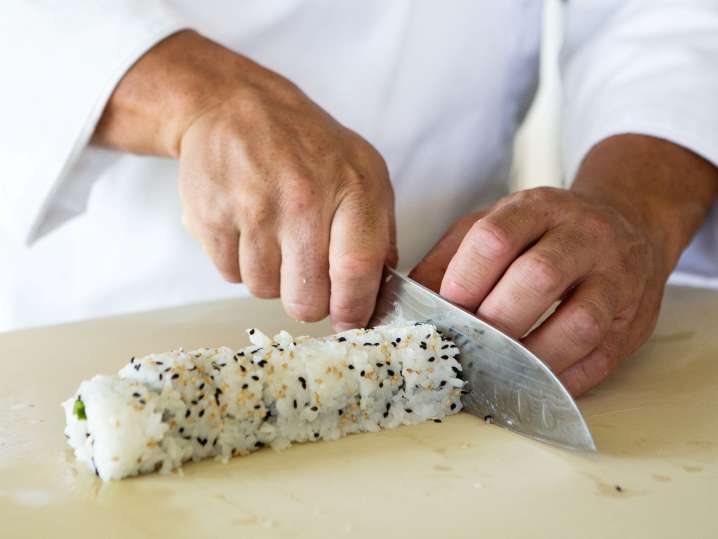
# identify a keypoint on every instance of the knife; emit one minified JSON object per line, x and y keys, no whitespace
{"x":507,"y":384}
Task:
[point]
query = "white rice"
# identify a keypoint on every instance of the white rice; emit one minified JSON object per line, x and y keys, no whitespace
{"x":165,"y":409}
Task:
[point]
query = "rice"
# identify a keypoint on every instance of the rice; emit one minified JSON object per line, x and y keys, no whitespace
{"x":166,"y":409}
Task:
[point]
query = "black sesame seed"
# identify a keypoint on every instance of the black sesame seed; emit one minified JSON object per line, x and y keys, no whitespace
{"x":368,"y":344}
{"x":245,"y":386}
{"x":161,"y":377}
{"x":215,"y":442}
{"x":201,"y":412}
{"x":137,"y":366}
{"x":314,"y":409}
{"x":132,"y":359}
{"x":316,"y":435}
{"x":340,"y":411}
{"x":258,"y":444}
{"x":295,"y":404}
{"x":257,"y":406}
{"x":143,"y":401}
{"x":362,"y":373}
{"x":255,"y":378}
{"x":445,"y":347}
{"x":175,"y":376}
{"x":456,"y":370}
{"x":408,"y":410}
{"x":618,"y":488}
{"x":251,"y":331}
{"x":262,"y":363}
{"x":390,"y":372}
{"x":398,"y":339}
{"x":388,"y":405}
{"x":443,"y":383}
{"x":341,"y":339}
{"x":200,"y":396}
{"x":453,"y":406}
{"x":380,"y":364}
{"x":303,"y":382}
{"x":386,"y":414}
{"x":158,"y":363}
{"x":256,"y":350}
{"x":168,"y":369}
{"x":489,"y":419}
{"x":422,"y":345}
{"x":202,"y":441}
{"x":187,"y":413}
{"x":201,"y":386}
{"x":444,"y":357}
{"x":135,"y":394}
{"x":432,"y":358}
{"x":437,"y":420}
{"x":194,"y":402}
{"x":181,"y":430}
{"x":381,"y":384}
{"x":351,"y":367}
{"x":393,"y":344}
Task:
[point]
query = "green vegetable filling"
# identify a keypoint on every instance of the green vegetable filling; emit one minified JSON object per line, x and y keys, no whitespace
{"x":79,"y":409}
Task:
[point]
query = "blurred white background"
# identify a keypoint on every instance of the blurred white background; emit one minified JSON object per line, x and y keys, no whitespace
{"x":536,"y":158}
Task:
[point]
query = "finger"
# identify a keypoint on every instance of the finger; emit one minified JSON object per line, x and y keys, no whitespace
{"x":305,"y":268}
{"x":536,"y":279}
{"x":491,"y":244}
{"x":359,"y":245}
{"x":222,"y":246}
{"x":260,"y":260}
{"x":578,"y":326}
{"x":432,"y":267}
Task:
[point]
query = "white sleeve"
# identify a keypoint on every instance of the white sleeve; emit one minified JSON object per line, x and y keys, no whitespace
{"x":642,"y":66}
{"x":61,"y":61}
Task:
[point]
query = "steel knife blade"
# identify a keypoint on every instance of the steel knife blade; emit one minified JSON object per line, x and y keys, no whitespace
{"x":507,"y":384}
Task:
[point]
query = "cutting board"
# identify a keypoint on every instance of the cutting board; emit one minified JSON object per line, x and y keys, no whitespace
{"x":655,"y":423}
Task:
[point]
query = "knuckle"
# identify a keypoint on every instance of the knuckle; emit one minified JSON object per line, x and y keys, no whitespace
{"x":540,"y":274}
{"x":355,"y":266}
{"x":256,"y":208}
{"x":264,"y":291}
{"x":585,"y":327}
{"x":489,"y":239}
{"x":307,"y":312}
{"x":541,"y":195}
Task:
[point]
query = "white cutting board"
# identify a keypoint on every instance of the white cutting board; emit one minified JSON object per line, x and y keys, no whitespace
{"x":655,"y":422}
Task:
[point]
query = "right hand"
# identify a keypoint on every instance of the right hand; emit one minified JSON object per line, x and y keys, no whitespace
{"x":281,"y":196}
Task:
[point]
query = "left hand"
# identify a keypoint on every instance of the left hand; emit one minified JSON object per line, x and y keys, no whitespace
{"x":535,"y":247}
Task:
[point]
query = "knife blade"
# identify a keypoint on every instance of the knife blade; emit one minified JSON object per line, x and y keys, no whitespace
{"x":507,"y":384}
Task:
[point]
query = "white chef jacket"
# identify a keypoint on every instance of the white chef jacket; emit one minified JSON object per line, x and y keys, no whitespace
{"x":438,"y":87}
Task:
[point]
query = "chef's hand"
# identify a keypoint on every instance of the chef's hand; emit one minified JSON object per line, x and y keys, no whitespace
{"x":605,"y":249}
{"x":282,"y":196}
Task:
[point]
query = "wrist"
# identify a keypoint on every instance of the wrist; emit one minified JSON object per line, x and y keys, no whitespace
{"x":171,"y":86}
{"x":659,"y":187}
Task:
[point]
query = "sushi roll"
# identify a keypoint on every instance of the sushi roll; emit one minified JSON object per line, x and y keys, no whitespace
{"x":162,"y":410}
